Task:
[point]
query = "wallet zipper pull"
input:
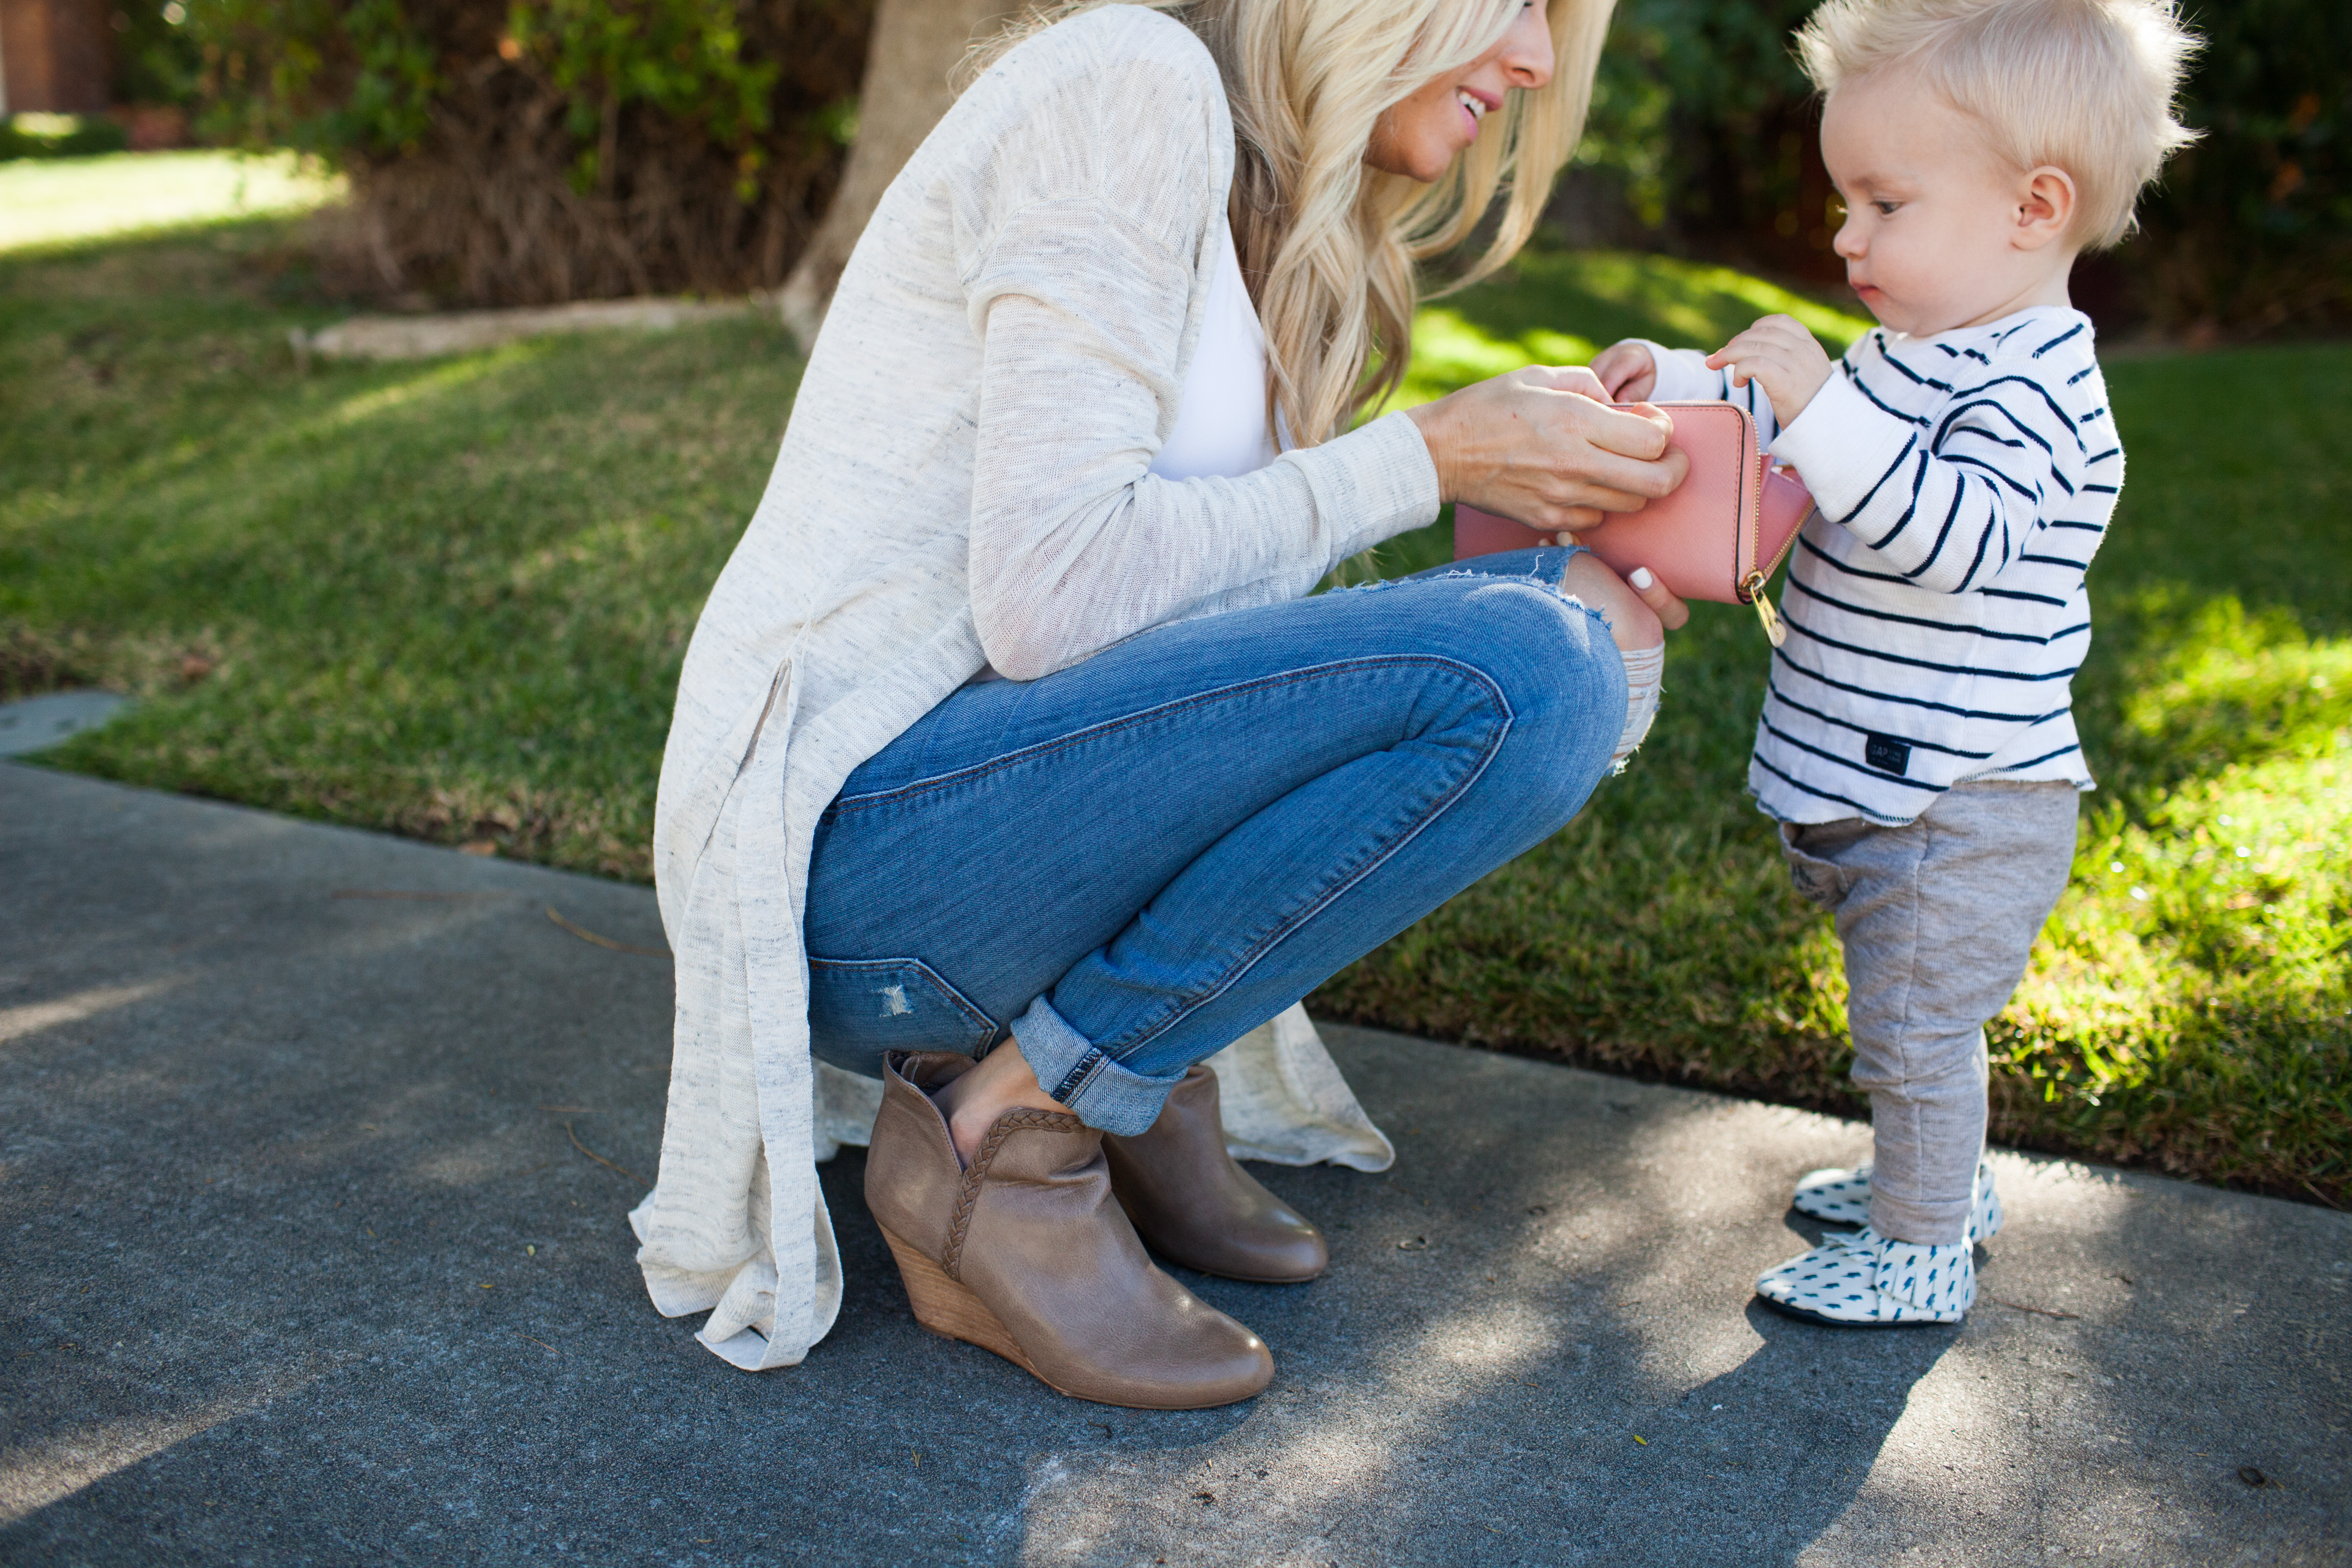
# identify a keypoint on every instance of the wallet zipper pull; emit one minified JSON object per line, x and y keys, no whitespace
{"x":1753,"y":587}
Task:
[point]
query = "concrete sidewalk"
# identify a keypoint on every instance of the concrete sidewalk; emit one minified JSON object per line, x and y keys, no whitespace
{"x":306,"y":1259}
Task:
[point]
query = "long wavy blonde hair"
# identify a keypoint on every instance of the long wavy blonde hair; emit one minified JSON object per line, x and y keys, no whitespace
{"x":1329,"y":246}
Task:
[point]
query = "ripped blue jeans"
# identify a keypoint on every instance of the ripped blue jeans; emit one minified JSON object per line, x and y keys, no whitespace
{"x":1132,"y":862}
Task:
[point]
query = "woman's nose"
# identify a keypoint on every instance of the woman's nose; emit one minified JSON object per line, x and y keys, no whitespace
{"x":1527,"y":49}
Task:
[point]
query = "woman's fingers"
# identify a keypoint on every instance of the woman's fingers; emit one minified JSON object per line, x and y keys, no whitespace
{"x":1576,"y":378}
{"x":1629,"y":480}
{"x":1672,"y":613}
{"x":1631,"y":623}
{"x":1623,"y":431}
{"x":1539,"y":445}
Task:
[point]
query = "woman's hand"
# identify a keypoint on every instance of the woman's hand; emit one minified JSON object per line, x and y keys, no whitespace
{"x":1543,"y":447}
{"x":1627,"y":370}
{"x":1639,"y":614}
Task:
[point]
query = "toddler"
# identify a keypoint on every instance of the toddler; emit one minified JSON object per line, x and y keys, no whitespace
{"x":1917,"y":744}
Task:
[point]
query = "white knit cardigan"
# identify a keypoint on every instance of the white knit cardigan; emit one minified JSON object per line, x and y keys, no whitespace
{"x":963,"y":480}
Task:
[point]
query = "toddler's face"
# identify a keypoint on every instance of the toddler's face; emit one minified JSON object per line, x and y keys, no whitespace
{"x":1933,"y":238}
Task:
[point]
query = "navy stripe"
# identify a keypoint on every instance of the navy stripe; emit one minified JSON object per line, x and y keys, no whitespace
{"x":1963,"y":628}
{"x":1882,"y":657}
{"x":1899,"y":458}
{"x":1916,"y":378}
{"x":1815,"y":551}
{"x":2072,"y":331}
{"x":1826,"y":795}
{"x":1984,"y":542}
{"x":1910,"y":511}
{"x":2046,"y":756}
{"x":1901,"y":701}
{"x":1962,"y":460}
{"x":2011,"y":415}
{"x":1774,"y":693}
{"x":2084,"y":527}
{"x":1891,"y":412}
{"x":1959,"y":494}
{"x":2021,"y":594}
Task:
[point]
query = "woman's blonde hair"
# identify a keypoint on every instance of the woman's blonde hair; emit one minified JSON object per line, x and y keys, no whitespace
{"x":1328,"y":244}
{"x":2086,"y":86}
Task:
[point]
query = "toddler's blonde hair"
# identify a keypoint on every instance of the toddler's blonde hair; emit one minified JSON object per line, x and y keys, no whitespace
{"x":2086,"y":86}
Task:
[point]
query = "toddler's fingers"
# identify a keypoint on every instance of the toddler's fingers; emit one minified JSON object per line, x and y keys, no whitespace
{"x":1672,"y":613}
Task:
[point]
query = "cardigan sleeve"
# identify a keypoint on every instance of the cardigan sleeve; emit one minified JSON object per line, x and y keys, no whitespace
{"x":1080,"y":294}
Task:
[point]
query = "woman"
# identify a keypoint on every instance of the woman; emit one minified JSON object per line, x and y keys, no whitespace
{"x":1010,"y":721}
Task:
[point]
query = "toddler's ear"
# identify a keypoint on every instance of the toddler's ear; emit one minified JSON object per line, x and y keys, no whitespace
{"x":2045,"y":207}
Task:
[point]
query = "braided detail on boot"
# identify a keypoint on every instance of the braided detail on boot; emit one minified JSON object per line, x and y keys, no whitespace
{"x":975,"y":1174}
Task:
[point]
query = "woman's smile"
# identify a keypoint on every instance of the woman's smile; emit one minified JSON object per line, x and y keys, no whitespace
{"x":1422,"y":134}
{"x":1475,"y":107}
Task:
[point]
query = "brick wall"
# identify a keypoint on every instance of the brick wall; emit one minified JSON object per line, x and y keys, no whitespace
{"x":56,"y":55}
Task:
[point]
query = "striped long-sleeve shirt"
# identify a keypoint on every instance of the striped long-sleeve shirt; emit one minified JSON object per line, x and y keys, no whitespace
{"x":1936,"y":606}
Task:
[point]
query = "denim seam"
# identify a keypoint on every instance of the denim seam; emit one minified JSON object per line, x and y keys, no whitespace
{"x":1088,"y":1068}
{"x":1248,"y":961}
{"x":917,"y":787}
{"x":983,"y":1024}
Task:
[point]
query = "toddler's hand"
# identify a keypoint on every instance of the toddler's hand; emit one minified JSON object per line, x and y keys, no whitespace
{"x":1782,"y":356}
{"x":1627,"y":370}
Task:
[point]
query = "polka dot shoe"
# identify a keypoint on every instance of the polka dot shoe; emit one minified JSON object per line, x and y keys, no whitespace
{"x":1842,"y":1197}
{"x":1868,"y":1280}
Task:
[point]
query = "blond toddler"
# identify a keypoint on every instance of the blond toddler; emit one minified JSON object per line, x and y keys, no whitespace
{"x":1917,"y":745}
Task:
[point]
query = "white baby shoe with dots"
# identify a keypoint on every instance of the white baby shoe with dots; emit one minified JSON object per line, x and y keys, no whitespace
{"x":1842,"y":1197}
{"x":1864,"y":1280}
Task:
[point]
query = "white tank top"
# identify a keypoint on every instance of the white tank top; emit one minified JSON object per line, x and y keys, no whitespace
{"x":1221,"y":427}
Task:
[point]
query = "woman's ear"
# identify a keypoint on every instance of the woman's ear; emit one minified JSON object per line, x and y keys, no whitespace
{"x":2045,"y":207}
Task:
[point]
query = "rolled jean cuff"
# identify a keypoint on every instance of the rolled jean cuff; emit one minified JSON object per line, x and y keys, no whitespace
{"x":1076,"y":1071}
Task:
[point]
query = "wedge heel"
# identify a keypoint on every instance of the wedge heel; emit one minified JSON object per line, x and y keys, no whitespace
{"x":949,"y":1311}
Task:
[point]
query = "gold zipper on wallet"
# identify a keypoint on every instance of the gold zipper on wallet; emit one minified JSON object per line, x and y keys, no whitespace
{"x":1753,"y":587}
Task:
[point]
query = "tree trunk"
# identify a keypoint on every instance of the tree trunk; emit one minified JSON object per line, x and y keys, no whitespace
{"x":914,"y":46}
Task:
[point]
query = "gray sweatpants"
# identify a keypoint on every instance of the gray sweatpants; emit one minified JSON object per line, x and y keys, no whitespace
{"x":1937,"y":918}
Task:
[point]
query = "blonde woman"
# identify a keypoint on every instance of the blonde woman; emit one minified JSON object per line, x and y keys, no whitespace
{"x":1013,"y":763}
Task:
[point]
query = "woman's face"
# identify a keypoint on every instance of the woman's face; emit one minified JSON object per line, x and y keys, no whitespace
{"x":1420,"y":137}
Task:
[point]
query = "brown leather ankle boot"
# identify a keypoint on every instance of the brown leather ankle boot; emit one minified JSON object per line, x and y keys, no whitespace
{"x":1193,"y":1205}
{"x":1024,"y":1253}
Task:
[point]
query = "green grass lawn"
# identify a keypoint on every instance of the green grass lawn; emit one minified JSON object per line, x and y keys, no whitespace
{"x":450,"y":598}
{"x":45,"y":201}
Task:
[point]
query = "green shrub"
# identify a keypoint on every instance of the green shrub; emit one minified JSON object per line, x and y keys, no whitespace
{"x":2252,"y":226}
{"x":549,"y":150}
{"x":155,"y":60}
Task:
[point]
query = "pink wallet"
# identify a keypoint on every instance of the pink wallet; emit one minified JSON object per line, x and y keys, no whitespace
{"x":1719,"y":536}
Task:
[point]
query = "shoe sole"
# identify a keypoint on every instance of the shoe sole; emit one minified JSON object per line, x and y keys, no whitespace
{"x":947,"y":1308}
{"x":1245,"y":1279}
{"x":1803,"y":1316}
